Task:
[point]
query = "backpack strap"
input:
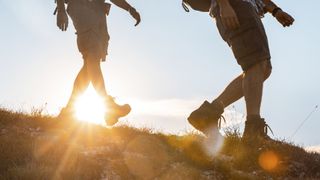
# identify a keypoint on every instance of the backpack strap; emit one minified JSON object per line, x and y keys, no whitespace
{"x":185,"y":7}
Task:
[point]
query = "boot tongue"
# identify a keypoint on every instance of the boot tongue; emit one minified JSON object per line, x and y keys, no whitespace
{"x":256,"y":123}
{"x":261,"y":127}
{"x":217,"y":106}
{"x":109,"y":100}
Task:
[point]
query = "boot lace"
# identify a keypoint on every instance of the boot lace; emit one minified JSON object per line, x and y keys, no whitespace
{"x":220,"y":121}
{"x":266,"y":127}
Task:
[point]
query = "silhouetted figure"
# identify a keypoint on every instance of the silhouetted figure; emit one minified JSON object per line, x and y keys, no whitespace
{"x":239,"y":24}
{"x":89,"y":20}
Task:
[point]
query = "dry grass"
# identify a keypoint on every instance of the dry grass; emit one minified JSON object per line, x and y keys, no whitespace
{"x":39,"y":147}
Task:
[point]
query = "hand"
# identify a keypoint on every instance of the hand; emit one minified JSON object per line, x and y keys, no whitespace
{"x":133,"y":12}
{"x":62,"y":20}
{"x":229,"y":17}
{"x":284,"y":18}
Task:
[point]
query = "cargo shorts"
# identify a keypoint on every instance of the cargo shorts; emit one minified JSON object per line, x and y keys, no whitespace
{"x":249,"y":42}
{"x":89,"y":20}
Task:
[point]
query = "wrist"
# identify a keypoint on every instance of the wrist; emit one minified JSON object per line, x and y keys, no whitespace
{"x":275,"y":11}
{"x":61,"y":10}
{"x":131,"y":9}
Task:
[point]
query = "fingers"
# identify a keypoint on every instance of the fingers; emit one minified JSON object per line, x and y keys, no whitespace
{"x":62,"y":21}
{"x":288,"y":20}
{"x":62,"y":26}
{"x":65,"y":26}
{"x":138,"y":18}
{"x":285,"y":19}
{"x":138,"y":22}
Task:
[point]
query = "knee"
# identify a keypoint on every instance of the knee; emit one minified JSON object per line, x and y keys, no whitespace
{"x":262,"y":70}
{"x":267,"y":69}
{"x":267,"y":72}
{"x":92,"y":67}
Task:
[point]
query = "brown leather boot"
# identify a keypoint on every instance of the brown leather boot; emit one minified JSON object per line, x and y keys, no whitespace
{"x":207,"y":117}
{"x":256,"y":129}
{"x":66,"y":112}
{"x":115,"y":111}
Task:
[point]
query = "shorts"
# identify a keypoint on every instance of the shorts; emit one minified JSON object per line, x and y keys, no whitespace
{"x":93,"y":43}
{"x":249,"y":42}
{"x":90,"y":22}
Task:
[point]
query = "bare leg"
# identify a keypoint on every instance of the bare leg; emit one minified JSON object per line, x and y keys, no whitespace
{"x":235,"y":90}
{"x":253,"y":87}
{"x":81,"y":83}
{"x":232,"y":92}
{"x":97,"y":80}
{"x":96,"y":76}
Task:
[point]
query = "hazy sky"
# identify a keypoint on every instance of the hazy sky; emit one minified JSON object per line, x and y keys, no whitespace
{"x":165,"y":67}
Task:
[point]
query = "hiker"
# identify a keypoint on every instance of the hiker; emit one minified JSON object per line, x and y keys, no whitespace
{"x":89,"y":20}
{"x":239,"y":24}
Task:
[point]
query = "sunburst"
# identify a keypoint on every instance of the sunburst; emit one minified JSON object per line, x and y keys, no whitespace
{"x":90,"y":107}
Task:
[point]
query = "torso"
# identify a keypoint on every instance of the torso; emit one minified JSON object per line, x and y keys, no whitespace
{"x":257,"y":4}
{"x":86,"y":14}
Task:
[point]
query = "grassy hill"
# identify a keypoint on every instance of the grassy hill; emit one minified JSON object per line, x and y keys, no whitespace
{"x":38,"y":147}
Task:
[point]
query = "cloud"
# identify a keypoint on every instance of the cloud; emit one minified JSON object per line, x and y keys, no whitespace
{"x":170,"y":115}
{"x":313,"y":149}
{"x":164,"y":107}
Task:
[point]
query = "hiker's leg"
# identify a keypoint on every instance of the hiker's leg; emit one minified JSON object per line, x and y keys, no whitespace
{"x":97,"y":80}
{"x":253,"y":87}
{"x":96,"y":76}
{"x":81,"y":83}
{"x":232,"y":92}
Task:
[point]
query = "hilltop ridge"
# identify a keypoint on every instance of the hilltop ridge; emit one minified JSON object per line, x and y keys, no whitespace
{"x":34,"y":146}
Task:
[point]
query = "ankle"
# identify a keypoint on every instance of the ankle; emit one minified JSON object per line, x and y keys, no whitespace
{"x":108,"y":98}
{"x":253,"y":117}
{"x":70,"y":106}
{"x":218,"y":103}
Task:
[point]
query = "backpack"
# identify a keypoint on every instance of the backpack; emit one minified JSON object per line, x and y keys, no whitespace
{"x":198,"y":5}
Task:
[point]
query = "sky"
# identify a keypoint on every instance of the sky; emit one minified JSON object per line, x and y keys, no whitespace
{"x":165,"y":67}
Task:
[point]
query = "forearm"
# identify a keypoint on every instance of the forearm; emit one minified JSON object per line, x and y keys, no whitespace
{"x":60,"y":5}
{"x":122,"y":4}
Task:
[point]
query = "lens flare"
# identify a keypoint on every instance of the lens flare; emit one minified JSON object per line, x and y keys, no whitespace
{"x":90,"y":107}
{"x":213,"y":143}
{"x":268,"y":160}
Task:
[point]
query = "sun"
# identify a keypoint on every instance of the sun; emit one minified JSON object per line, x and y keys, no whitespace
{"x":90,"y":107}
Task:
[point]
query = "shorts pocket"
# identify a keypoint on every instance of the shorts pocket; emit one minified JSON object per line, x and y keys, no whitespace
{"x":245,"y":41}
{"x":84,"y":41}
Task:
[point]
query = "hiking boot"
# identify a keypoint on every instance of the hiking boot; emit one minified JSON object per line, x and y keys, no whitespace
{"x":207,"y":117}
{"x":66,"y":112}
{"x":115,"y":111}
{"x":66,"y":117}
{"x":256,"y":129}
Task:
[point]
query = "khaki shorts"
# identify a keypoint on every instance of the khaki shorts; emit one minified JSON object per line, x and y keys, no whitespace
{"x":90,"y":22}
{"x":249,"y":42}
